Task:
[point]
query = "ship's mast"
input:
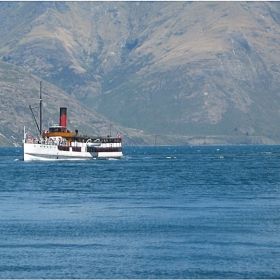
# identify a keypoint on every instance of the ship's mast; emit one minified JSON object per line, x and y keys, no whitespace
{"x":40,"y":108}
{"x":39,"y":127}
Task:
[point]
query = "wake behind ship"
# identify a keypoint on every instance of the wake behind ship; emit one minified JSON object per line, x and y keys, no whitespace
{"x":58,"y":143}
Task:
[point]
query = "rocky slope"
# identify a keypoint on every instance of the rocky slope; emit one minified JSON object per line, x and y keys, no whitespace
{"x":190,"y":72}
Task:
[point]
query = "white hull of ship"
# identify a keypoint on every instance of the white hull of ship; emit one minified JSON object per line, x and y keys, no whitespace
{"x":44,"y":152}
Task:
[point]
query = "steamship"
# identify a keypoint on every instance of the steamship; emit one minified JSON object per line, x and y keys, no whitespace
{"x":58,"y":143}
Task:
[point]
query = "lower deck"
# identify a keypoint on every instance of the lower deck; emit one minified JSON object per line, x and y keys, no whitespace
{"x":39,"y":151}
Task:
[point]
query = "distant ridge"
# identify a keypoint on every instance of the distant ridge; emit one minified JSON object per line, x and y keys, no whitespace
{"x":193,"y":72}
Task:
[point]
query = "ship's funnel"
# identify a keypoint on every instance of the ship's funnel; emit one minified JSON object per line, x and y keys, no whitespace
{"x":63,"y":117}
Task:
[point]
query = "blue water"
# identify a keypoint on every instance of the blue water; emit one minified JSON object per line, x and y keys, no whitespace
{"x":160,"y":212}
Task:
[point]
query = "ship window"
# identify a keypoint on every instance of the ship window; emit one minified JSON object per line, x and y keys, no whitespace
{"x":55,"y":129}
{"x":76,"y":149}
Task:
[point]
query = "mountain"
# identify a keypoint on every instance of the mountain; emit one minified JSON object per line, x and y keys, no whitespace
{"x":171,"y":72}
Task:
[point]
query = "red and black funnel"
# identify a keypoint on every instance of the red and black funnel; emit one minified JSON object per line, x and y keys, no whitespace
{"x":63,"y":117}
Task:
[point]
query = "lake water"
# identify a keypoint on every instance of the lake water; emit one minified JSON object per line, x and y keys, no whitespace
{"x":160,"y":212}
